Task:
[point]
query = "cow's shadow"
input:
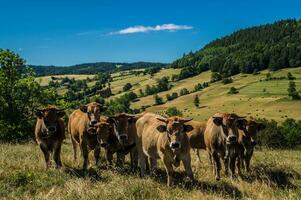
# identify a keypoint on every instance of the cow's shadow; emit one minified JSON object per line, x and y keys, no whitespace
{"x":272,"y":177}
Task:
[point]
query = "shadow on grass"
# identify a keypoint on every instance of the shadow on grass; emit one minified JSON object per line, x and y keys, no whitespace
{"x":279,"y":178}
{"x":91,"y":173}
{"x":220,"y":188}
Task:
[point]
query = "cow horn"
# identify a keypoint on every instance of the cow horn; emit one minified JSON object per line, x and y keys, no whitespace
{"x":162,"y":119}
{"x":183,"y":120}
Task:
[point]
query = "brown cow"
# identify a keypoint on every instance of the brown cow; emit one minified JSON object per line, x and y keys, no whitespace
{"x":220,"y":138}
{"x":196,"y":136}
{"x":122,"y":140}
{"x":158,"y":137}
{"x":247,"y":142}
{"x":81,"y":127}
{"x":50,"y":133}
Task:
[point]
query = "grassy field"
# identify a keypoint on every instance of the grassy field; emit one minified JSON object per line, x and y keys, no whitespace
{"x":276,"y":174}
{"x":256,"y":98}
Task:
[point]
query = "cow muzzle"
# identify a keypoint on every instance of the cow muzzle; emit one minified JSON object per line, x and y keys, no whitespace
{"x":51,"y":129}
{"x":175,"y":145}
{"x":104,"y":145}
{"x":231,"y":139}
{"x":123,"y":137}
{"x":93,"y":122}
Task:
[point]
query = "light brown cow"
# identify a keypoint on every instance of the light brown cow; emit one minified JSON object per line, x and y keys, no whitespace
{"x":81,"y":127}
{"x":50,"y":133}
{"x":220,"y":138}
{"x":247,"y":142}
{"x":196,"y":136}
{"x":158,"y":137}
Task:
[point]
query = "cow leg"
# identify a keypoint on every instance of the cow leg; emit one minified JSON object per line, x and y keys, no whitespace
{"x":142,"y":163}
{"x":217,"y":165}
{"x":74,"y":144}
{"x":153,"y":165}
{"x":169,"y":170}
{"x":120,"y":159}
{"x":57,"y":155}
{"x":238,"y":166}
{"x":232,"y":165}
{"x":46,"y":153}
{"x":134,"y":158}
{"x":96,"y":155}
{"x":226,"y":165}
{"x":198,"y":155}
{"x":85,"y":153}
{"x":187,"y":166}
{"x":247,"y":161}
{"x":109,"y":157}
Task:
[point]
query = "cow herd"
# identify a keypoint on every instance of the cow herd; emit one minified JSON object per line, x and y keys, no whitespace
{"x":148,"y":137}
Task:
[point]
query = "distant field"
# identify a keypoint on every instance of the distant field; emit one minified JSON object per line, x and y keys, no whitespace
{"x":251,"y":100}
{"x":44,"y":80}
{"x":276,"y":174}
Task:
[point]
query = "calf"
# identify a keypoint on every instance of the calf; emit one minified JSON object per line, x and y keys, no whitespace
{"x":50,"y":133}
{"x":247,"y":142}
{"x":220,"y":138}
{"x":82,"y":129}
{"x":158,"y":137}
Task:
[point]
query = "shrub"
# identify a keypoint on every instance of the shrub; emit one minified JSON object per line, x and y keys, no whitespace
{"x":173,"y":111}
{"x":196,"y":101}
{"x":233,"y":90}
{"x":292,"y":92}
{"x":127,"y":87}
{"x":184,"y":91}
{"x":227,"y":80}
{"x":215,"y":76}
{"x":158,"y":100}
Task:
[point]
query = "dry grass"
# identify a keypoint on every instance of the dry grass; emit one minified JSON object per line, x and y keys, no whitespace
{"x":276,"y":175}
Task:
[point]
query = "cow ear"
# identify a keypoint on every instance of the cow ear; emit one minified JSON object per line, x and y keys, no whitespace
{"x":187,"y":128}
{"x":39,"y":113}
{"x":242,"y":124}
{"x":61,"y":114}
{"x":218,"y":121}
{"x":261,"y":126}
{"x":84,"y":109}
{"x":161,"y":128}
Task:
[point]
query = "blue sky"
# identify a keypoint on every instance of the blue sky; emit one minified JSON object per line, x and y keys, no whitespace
{"x":69,"y":32}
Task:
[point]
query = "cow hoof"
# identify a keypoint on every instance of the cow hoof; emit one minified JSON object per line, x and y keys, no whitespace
{"x":217,"y":178}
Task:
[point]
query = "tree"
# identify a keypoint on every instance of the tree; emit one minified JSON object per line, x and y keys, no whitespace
{"x":158,"y":100}
{"x":292,"y":92}
{"x":290,"y":76}
{"x":184,"y":91}
{"x":196,"y":101}
{"x":173,"y":111}
{"x":215,"y":76}
{"x":127,"y":87}
{"x":20,"y":94}
{"x":233,"y":90}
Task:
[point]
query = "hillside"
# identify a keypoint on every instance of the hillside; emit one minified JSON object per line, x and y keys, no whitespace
{"x":271,"y":46}
{"x":92,"y":68}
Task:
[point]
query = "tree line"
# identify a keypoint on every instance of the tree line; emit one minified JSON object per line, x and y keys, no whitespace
{"x":272,"y":46}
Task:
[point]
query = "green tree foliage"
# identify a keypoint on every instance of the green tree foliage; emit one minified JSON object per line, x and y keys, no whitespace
{"x":196,"y":101}
{"x":184,"y":91}
{"x":290,"y":76}
{"x":233,"y":90}
{"x":158,"y":100}
{"x":161,"y":85}
{"x":273,"y":46}
{"x":171,"y":97}
{"x":20,"y":95}
{"x":173,"y":111}
{"x":127,"y":87}
{"x":215,"y":76}
{"x":292,"y":92}
{"x":227,"y":80}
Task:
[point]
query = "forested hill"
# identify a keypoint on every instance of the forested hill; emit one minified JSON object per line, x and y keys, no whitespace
{"x":273,"y":46}
{"x":93,"y":68}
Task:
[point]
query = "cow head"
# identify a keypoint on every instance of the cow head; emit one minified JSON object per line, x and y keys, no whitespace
{"x":93,"y":111}
{"x":121,"y":125}
{"x":229,"y":123}
{"x":49,"y":116}
{"x":251,"y":130}
{"x":102,"y":129}
{"x":175,"y":128}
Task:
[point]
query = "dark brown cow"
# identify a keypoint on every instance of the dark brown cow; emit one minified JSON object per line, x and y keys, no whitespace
{"x":122,"y":140}
{"x":50,"y":133}
{"x":81,"y":127}
{"x":247,"y":142}
{"x":158,"y":137}
{"x":220,"y":138}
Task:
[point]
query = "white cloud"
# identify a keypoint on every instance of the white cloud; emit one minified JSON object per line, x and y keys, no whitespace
{"x":145,"y":29}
